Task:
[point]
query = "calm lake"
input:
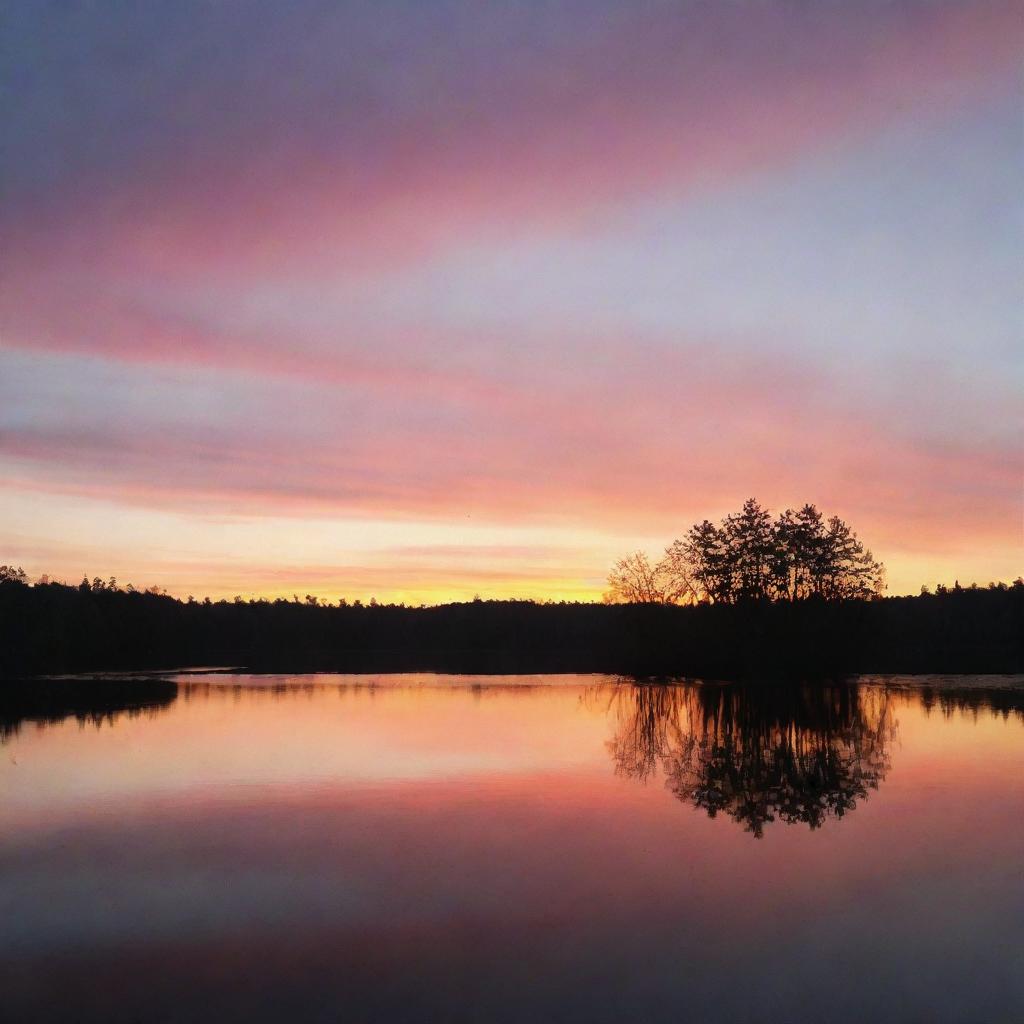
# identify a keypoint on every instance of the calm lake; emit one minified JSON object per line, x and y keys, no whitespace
{"x":548,"y":848}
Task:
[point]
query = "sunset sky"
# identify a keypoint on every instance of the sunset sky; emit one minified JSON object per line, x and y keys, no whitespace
{"x":427,"y":300}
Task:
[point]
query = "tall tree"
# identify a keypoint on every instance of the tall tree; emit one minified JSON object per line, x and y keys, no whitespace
{"x":799,"y":552}
{"x":706,"y":552}
{"x":751,"y":547}
{"x":847,"y":569}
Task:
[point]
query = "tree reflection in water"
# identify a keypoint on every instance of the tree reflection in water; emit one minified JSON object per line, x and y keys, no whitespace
{"x":758,"y":754}
{"x":97,"y":701}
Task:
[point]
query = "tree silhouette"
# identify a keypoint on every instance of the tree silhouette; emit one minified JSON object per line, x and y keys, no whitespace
{"x":635,"y":580}
{"x":751,"y":557}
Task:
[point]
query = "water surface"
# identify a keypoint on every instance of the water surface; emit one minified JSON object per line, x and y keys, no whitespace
{"x":518,"y":849}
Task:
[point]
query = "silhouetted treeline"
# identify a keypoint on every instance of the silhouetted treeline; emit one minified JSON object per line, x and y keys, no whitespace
{"x":52,"y":627}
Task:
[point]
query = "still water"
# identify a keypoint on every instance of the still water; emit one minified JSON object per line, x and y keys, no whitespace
{"x":550,"y":848}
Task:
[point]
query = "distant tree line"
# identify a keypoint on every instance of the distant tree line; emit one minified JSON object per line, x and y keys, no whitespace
{"x":53,"y":628}
{"x":749,"y":556}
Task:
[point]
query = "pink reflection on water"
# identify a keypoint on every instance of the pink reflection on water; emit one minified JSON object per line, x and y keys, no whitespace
{"x":403,"y":846}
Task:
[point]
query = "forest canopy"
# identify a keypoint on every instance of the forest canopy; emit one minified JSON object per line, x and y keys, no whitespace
{"x":749,"y":556}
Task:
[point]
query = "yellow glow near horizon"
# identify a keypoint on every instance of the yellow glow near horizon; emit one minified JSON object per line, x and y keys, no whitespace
{"x":392,"y":560}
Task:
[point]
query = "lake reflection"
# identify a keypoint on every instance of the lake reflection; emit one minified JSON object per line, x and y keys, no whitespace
{"x":543,"y":848}
{"x":757,"y":754}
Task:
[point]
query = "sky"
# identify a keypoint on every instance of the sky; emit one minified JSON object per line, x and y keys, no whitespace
{"x":428,"y":301}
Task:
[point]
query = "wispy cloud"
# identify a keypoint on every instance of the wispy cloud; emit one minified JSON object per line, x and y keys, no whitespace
{"x":592,"y":267}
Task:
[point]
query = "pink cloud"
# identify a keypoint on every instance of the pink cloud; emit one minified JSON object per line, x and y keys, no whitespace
{"x":648,"y":452}
{"x":628,"y":434}
{"x":647,"y":106}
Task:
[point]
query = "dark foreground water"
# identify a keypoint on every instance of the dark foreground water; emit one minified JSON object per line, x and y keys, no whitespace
{"x":562,"y":848}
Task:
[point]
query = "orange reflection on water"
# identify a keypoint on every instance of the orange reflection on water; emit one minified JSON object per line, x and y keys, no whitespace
{"x":286,"y":730}
{"x":581,"y":843}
